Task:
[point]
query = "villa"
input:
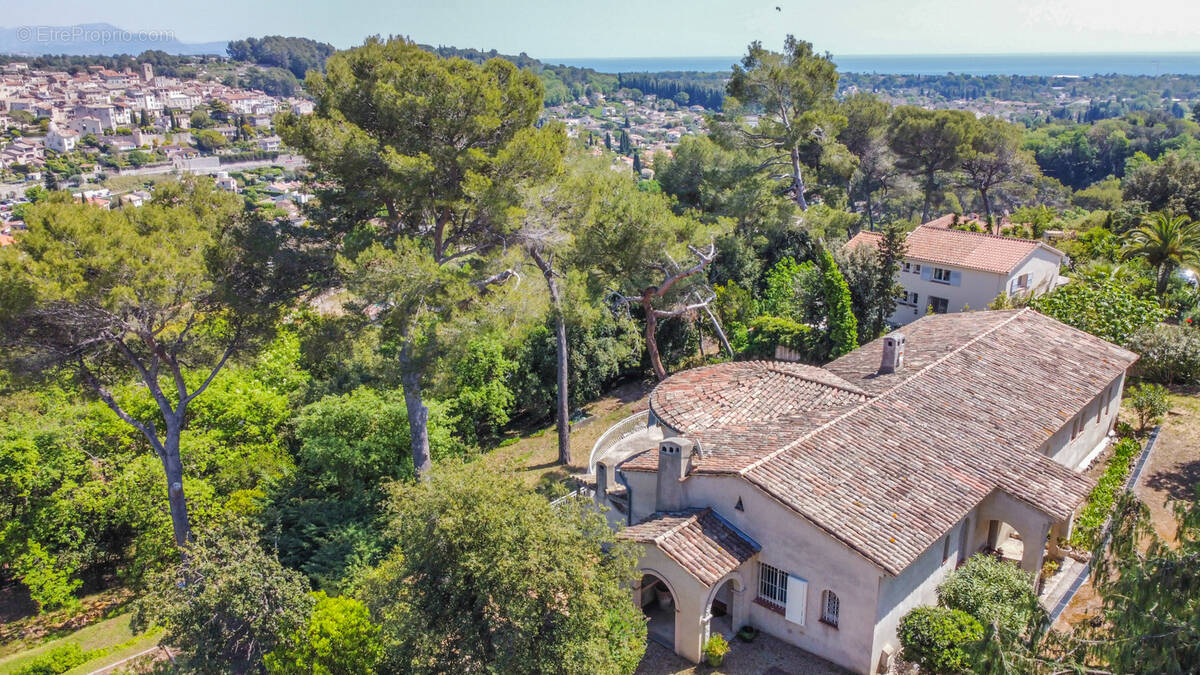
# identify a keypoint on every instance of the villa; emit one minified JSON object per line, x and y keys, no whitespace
{"x":949,"y":270}
{"x":820,"y":504}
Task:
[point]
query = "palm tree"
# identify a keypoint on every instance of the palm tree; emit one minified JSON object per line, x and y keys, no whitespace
{"x":1165,"y":242}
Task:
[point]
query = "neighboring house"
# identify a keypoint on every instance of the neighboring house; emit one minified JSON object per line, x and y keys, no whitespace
{"x":61,"y":140}
{"x":819,"y":505}
{"x":947,"y":270}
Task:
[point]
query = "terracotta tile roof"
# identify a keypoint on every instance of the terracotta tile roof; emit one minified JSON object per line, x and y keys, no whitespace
{"x":934,"y":242}
{"x":968,"y":415}
{"x":6,"y":240}
{"x":972,"y":250}
{"x":701,"y":542}
{"x":864,"y":237}
{"x":747,"y":393}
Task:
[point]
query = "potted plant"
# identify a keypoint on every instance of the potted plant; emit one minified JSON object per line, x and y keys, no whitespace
{"x":715,"y":650}
{"x":747,"y":633}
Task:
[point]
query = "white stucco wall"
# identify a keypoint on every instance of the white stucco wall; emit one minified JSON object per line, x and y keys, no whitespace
{"x":916,"y":585}
{"x":1062,"y":449}
{"x":1042,"y":266}
{"x":975,"y":290}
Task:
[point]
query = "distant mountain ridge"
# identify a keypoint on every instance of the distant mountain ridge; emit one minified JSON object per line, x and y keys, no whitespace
{"x":97,"y":39}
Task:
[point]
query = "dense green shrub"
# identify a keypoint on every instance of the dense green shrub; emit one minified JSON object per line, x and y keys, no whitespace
{"x":481,"y":400}
{"x":1103,"y":307}
{"x":339,"y":638}
{"x":934,"y":637}
{"x":1169,"y":354}
{"x":58,"y":660}
{"x":766,"y":332}
{"x":992,"y":591}
{"x":1100,"y":501}
{"x":227,"y":605}
{"x":49,"y":579}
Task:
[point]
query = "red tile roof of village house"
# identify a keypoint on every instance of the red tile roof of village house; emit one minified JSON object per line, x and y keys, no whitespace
{"x":745,"y":393}
{"x":6,"y":240}
{"x":699,"y":540}
{"x":937,"y":244}
{"x":979,"y":396}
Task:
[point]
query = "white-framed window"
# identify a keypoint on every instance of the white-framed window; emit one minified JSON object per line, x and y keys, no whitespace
{"x":772,"y":584}
{"x":907,"y":267}
{"x":830,"y":608}
{"x":909,"y":298}
{"x":1023,"y":282}
{"x":941,"y":275}
{"x":917,"y":268}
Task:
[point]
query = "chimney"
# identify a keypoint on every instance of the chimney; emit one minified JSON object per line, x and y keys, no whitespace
{"x":674,"y":455}
{"x":893,"y":353}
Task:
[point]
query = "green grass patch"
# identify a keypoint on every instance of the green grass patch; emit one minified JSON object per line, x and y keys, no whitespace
{"x":96,"y":643}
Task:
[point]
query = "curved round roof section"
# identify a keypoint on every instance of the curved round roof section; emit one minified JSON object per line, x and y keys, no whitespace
{"x":747,"y":393}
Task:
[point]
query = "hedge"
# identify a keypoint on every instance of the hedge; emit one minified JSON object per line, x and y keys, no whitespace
{"x":1104,"y":495}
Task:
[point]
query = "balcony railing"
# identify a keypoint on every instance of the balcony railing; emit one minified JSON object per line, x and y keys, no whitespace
{"x":615,"y":434}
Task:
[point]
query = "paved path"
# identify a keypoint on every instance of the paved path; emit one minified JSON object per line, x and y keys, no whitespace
{"x":765,"y":656}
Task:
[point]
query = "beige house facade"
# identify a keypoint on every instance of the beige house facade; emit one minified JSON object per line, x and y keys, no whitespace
{"x":819,"y":505}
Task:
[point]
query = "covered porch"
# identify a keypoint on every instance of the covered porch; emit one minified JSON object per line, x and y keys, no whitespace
{"x":1019,"y":533}
{"x":694,"y":578}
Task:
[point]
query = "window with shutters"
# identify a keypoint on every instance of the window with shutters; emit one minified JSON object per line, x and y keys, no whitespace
{"x":1023,"y":281}
{"x":941,"y":275}
{"x":772,"y":584}
{"x":830,"y":608}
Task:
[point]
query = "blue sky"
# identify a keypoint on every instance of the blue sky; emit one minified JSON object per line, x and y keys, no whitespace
{"x":573,"y":28}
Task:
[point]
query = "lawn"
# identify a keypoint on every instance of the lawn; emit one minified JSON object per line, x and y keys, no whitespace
{"x":112,"y":635}
{"x":534,"y":453}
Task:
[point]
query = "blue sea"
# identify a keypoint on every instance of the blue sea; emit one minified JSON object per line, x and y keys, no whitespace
{"x":1174,"y":63}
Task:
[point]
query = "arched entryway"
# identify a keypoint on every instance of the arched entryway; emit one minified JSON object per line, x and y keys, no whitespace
{"x":723,"y":609}
{"x":660,"y":605}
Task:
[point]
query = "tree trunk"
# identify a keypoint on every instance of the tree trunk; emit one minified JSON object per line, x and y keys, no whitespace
{"x":929,"y":183}
{"x":798,"y":180}
{"x":560,"y":342}
{"x":563,"y":416}
{"x":870,"y":216}
{"x":717,"y":327}
{"x":418,"y":413}
{"x":651,"y":340}
{"x":987,"y":208}
{"x":173,"y":468}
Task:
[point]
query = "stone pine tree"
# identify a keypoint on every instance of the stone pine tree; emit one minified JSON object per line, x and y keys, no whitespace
{"x":798,"y":124}
{"x":645,"y":255}
{"x":993,"y":158}
{"x":554,"y":212}
{"x":165,"y":294}
{"x":929,"y":143}
{"x":865,"y":136}
{"x":421,"y":160}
